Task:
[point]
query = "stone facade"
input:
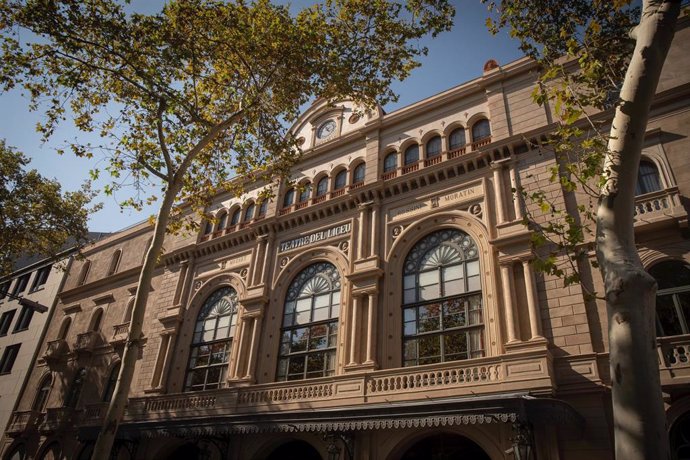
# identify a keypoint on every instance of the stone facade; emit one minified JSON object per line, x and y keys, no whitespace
{"x":535,"y":354}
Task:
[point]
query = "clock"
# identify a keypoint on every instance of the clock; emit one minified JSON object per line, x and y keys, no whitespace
{"x":326,"y":129}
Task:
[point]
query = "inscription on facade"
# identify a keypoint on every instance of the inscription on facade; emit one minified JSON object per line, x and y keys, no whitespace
{"x":236,"y":261}
{"x":437,"y":201}
{"x":314,"y":237}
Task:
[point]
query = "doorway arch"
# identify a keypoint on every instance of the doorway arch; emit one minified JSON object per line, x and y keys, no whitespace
{"x":295,"y":450}
{"x":443,"y":446}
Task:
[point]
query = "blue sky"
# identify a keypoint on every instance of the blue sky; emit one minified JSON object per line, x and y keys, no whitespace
{"x":454,"y":57}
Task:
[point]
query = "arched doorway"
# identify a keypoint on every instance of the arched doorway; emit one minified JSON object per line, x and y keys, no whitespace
{"x":444,"y":446}
{"x":186,"y":451}
{"x":295,"y":450}
{"x":680,"y":438}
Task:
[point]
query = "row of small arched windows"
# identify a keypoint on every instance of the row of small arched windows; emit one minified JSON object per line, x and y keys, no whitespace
{"x":336,"y":184}
{"x":239,"y":216}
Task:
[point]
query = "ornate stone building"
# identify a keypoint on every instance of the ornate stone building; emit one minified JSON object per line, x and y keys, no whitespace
{"x":382,"y":306}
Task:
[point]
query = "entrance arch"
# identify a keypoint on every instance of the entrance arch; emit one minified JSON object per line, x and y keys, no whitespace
{"x":680,"y":437}
{"x":295,"y":450}
{"x":443,"y":446}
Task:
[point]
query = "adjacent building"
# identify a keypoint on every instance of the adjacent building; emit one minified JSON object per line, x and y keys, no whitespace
{"x":383,"y":305}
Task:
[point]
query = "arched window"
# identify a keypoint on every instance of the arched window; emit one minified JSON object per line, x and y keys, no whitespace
{"x":208,"y":228}
{"x":74,"y":392}
{"x":456,"y":139}
{"x":223,"y":221}
{"x":442,"y":300}
{"x":340,"y":180}
{"x":213,"y":333}
{"x":322,"y":187}
{"x":310,"y":324}
{"x":481,"y":130}
{"x":96,"y":319}
{"x":304,"y":194}
{"x":110,"y":384}
{"x":289,"y":198}
{"x":115,"y":262}
{"x":648,"y":180}
{"x":249,"y":212}
{"x":411,"y":154}
{"x":263,"y":207}
{"x":64,"y":328}
{"x":39,"y":404}
{"x":390,"y":163}
{"x":235,"y":219}
{"x":358,"y":174}
{"x":84,"y":273}
{"x":128,"y":311}
{"x":17,"y":453}
{"x":52,"y":452}
{"x":433,"y":147}
{"x":672,"y":297}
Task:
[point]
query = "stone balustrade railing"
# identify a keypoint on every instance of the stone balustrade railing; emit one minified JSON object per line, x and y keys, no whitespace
{"x":659,"y":204}
{"x":120,"y":332}
{"x":23,"y":421}
{"x":456,"y":376}
{"x":674,"y":359}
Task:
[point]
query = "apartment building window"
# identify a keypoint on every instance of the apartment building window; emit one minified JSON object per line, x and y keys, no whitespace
{"x":24,"y":319}
{"x":310,"y":324}
{"x":110,"y":384}
{"x":672,"y":297}
{"x":41,"y":277}
{"x":8,"y":358}
{"x":648,"y":179}
{"x":41,"y":398}
{"x":4,"y":288}
{"x":235,"y":219}
{"x":442,"y":300}
{"x":212,"y":341}
{"x":304,"y":194}
{"x":21,"y":283}
{"x":6,"y":321}
{"x":222,"y":221}
{"x":457,"y":139}
{"x":74,"y":392}
{"x":358,"y":175}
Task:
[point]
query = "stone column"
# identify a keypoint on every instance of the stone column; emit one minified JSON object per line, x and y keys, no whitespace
{"x":508,"y":296}
{"x":235,"y":370}
{"x":251,"y":365}
{"x":498,"y":192}
{"x":184,"y":270}
{"x":532,"y":301}
{"x":374,"y":223}
{"x":517,"y":199}
{"x":258,"y":259}
{"x":361,"y":236}
{"x":268,"y":248}
{"x":354,"y":325}
{"x":371,"y":329}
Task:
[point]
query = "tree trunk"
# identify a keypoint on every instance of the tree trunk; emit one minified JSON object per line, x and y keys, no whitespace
{"x":118,"y":403}
{"x":638,"y":410}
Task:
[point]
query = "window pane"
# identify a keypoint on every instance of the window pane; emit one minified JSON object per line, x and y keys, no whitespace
{"x":454,"y":287}
{"x":427,"y":278}
{"x":455,"y":346}
{"x":322,"y":301}
{"x":303,"y":317}
{"x":429,"y":319}
{"x":303,"y":305}
{"x":409,"y":281}
{"x":429,"y":292}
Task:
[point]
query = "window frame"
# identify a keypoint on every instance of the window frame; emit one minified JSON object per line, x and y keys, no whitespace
{"x":454,"y":146}
{"x":24,"y":319}
{"x":340,"y":180}
{"x":408,"y":157}
{"x":438,"y":141}
{"x":477,"y":133}
{"x":389,"y":165}
{"x":9,"y":357}
{"x":41,"y":278}
{"x":6,"y":321}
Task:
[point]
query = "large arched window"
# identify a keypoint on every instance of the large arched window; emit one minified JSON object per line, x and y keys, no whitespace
{"x":442,"y":300}
{"x":310,"y":324}
{"x":235,"y":219}
{"x":213,"y":333}
{"x":305,"y":193}
{"x":672,"y":297}
{"x":481,"y":130}
{"x":223,"y":221}
{"x":39,"y":404}
{"x":648,"y":180}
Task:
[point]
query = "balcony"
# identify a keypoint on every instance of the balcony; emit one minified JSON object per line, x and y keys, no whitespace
{"x":57,"y":419}
{"x":409,"y":168}
{"x":433,"y":161}
{"x":458,"y":152}
{"x":23,"y":423}
{"x":55,"y":351}
{"x":659,"y":208}
{"x":93,"y":414}
{"x":120,"y":333}
{"x":87,"y":342}
{"x":481,"y":143}
{"x":674,"y":359}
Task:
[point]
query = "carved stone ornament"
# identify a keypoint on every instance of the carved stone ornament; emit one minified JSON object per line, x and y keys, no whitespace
{"x":397,"y":230}
{"x":243,"y":273}
{"x":284,"y":261}
{"x":197,"y":285}
{"x":301,"y":141}
{"x":344,"y":246}
{"x":354,"y":118}
{"x":476,"y":210}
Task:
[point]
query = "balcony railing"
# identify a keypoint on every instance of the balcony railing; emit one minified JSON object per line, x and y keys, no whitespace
{"x":58,"y":418}
{"x":409,"y":168}
{"x":285,"y":210}
{"x":389,"y":175}
{"x":357,"y":185}
{"x":120,"y":332}
{"x":302,"y":204}
{"x":659,"y":205}
{"x":56,"y":350}
{"x":458,"y":152}
{"x":433,"y":161}
{"x":481,"y":143}
{"x":87,"y":342}
{"x":319,"y":199}
{"x":23,"y":422}
{"x":93,"y":414}
{"x":337,"y":193}
{"x":674,"y":359}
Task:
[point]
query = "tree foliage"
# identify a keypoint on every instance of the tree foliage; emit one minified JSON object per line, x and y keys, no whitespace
{"x":37,"y":217}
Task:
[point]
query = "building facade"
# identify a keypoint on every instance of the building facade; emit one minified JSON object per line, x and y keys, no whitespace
{"x":382,"y":306}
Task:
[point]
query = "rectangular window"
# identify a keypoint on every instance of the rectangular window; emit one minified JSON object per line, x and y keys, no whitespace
{"x":8,"y":358}
{"x":41,"y":278}
{"x":24,"y":319}
{"x":5,"y":321}
{"x":20,"y":285}
{"x":4,"y":288}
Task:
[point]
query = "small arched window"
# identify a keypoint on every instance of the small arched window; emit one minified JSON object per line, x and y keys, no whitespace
{"x":235,"y":219}
{"x":208,"y":228}
{"x":223,"y":221}
{"x":74,"y":392}
{"x":64,"y":328}
{"x":457,"y":139}
{"x":390,"y":163}
{"x":213,"y":334}
{"x":84,"y":273}
{"x":310,"y":324}
{"x":358,"y":174}
{"x":442,"y":300}
{"x":305,"y":192}
{"x":648,"y":179}
{"x":263,"y":207}
{"x":128,"y":311}
{"x":322,"y":187}
{"x":289,"y":198}
{"x":672,"y":297}
{"x":340,"y":180}
{"x":481,"y":130}
{"x":111,"y":382}
{"x":41,"y":398}
{"x":411,"y":154}
{"x":96,"y":319}
{"x":115,"y":262}
{"x":249,"y":212}
{"x":433,"y":147}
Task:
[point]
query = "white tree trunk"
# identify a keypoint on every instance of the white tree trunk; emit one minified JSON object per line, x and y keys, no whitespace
{"x":118,"y":403}
{"x":638,"y":410}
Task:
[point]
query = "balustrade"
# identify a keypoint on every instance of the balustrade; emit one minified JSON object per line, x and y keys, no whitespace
{"x":481,"y":143}
{"x":87,"y":342}
{"x":23,"y":422}
{"x":55,"y":350}
{"x":455,"y":153}
{"x":58,"y":418}
{"x":120,"y":333}
{"x":432,"y":161}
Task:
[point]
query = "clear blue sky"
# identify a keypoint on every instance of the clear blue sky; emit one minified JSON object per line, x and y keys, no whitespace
{"x":454,"y":57}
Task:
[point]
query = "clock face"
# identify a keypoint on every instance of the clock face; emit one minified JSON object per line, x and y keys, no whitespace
{"x":326,"y":129}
